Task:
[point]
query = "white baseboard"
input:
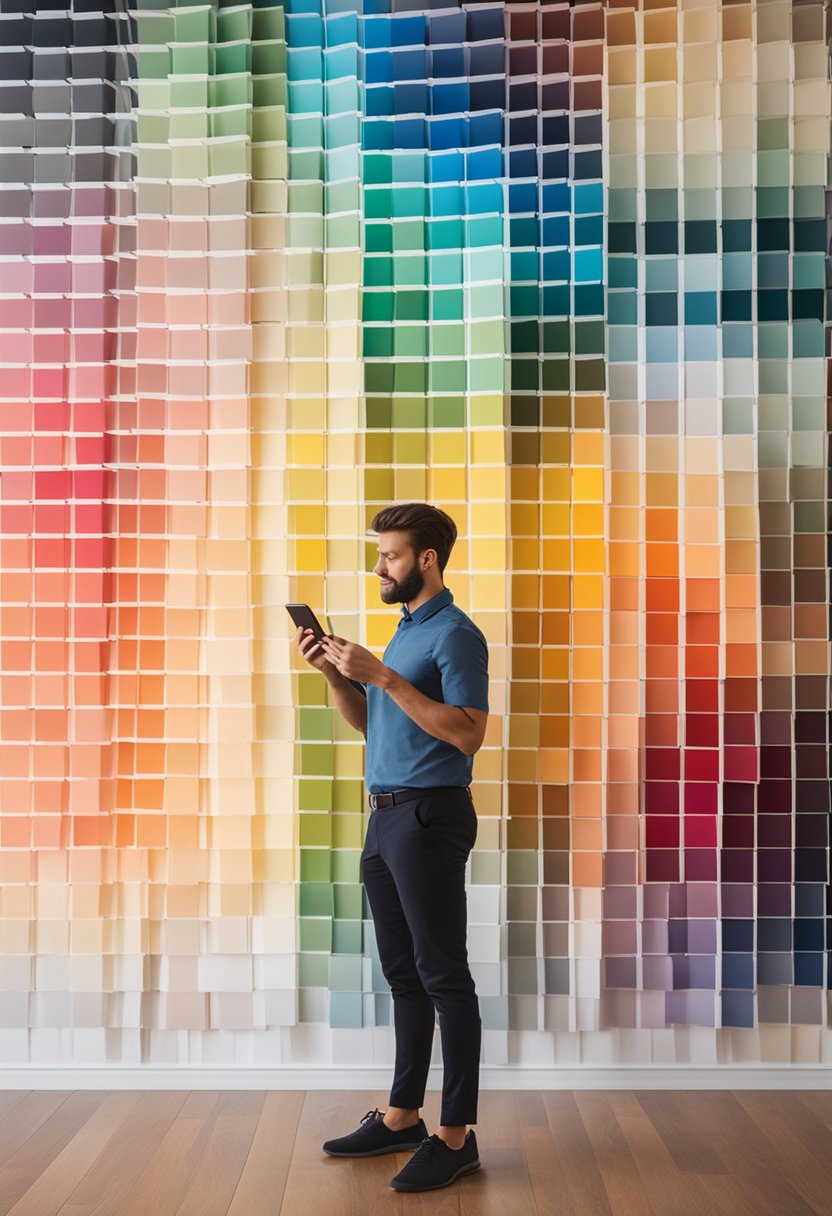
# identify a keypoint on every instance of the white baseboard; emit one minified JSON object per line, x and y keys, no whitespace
{"x":615,"y":1077}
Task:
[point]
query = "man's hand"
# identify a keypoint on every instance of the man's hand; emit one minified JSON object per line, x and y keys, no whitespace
{"x":354,"y":661}
{"x":310,"y":649}
{"x":351,"y":702}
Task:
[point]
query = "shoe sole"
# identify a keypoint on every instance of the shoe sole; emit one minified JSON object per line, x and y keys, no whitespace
{"x":466,"y":1169}
{"x":377,"y":1152}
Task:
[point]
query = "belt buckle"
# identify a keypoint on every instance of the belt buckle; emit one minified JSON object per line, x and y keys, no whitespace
{"x":373,"y":806}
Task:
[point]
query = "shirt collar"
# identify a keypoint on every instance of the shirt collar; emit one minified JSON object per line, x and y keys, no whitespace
{"x":429,"y":607}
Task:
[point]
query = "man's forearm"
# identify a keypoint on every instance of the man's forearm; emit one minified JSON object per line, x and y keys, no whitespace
{"x":447,"y":722}
{"x":349,"y":702}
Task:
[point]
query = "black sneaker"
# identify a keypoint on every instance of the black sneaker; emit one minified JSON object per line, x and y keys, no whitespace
{"x":434,"y":1165}
{"x":373,"y":1137}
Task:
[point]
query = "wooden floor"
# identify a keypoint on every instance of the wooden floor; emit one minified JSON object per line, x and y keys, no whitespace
{"x":565,"y":1153}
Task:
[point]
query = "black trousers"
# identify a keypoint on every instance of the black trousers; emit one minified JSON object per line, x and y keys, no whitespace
{"x":413,"y":868}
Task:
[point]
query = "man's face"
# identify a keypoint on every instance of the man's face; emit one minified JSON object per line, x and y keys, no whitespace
{"x":398,"y":569}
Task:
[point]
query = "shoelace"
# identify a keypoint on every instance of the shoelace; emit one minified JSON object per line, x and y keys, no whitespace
{"x":371,"y":1114}
{"x":426,"y":1151}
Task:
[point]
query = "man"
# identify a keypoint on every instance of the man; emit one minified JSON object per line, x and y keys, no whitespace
{"x":423,"y":712}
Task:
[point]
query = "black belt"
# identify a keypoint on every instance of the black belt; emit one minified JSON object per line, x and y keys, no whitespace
{"x":394,"y":797}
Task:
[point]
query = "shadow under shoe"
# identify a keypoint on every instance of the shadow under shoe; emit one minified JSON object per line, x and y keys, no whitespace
{"x":373,"y":1137}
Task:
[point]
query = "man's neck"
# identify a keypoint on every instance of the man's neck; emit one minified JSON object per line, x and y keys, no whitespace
{"x":423,"y":598}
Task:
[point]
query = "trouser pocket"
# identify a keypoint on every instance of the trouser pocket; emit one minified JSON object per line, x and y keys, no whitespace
{"x":451,"y":822}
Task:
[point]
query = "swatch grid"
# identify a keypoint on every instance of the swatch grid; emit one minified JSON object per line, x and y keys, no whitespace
{"x":559,"y":269}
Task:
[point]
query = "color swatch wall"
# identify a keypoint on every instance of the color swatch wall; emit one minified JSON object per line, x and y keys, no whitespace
{"x":560,"y":269}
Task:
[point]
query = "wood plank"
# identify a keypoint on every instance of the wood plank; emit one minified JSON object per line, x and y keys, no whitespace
{"x":318,"y":1185}
{"x":728,"y":1196}
{"x":216,"y":1174}
{"x":29,"y":1114}
{"x":667,"y":1112}
{"x":46,"y":1141}
{"x":108,"y":1183}
{"x":262,"y":1182}
{"x":800,"y":1144}
{"x":546,"y":1176}
{"x":163,"y":1184}
{"x":625,"y":1190}
{"x":10,"y":1100}
{"x":819,"y":1103}
{"x":585,"y":1190}
{"x":670,"y":1192}
{"x":810,"y":1123}
{"x":53,"y":1186}
{"x":503,"y":1186}
{"x":718,"y":1115}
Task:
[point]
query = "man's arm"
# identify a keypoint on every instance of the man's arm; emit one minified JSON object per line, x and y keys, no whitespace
{"x":349,"y":702}
{"x":442,"y":721}
{"x":461,"y":726}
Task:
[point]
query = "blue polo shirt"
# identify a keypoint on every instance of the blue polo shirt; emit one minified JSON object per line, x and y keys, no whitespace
{"x":440,"y":651}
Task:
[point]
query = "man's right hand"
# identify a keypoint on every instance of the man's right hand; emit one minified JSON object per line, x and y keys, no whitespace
{"x":311,"y":649}
{"x":349,"y":701}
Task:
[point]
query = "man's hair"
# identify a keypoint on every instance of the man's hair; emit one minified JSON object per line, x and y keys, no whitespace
{"x":428,"y":528}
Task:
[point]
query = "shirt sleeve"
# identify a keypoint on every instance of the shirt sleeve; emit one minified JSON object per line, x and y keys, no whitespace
{"x":462,"y":658}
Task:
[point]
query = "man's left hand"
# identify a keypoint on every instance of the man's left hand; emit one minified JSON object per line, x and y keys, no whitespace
{"x":353,"y":661}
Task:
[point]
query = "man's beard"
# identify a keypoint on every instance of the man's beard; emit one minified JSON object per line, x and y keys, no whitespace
{"x":405,"y":591}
